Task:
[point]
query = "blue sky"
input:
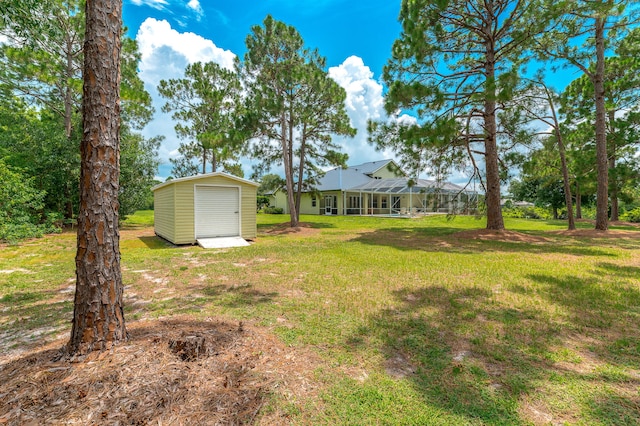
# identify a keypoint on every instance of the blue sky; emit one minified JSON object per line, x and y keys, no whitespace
{"x":355,"y":37}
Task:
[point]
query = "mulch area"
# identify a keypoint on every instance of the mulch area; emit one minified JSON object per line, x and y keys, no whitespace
{"x":151,"y":380}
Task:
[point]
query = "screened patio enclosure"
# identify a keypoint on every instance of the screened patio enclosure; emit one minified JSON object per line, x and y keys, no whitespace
{"x":401,"y":196}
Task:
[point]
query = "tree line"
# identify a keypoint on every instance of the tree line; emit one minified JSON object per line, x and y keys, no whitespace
{"x":466,"y":70}
{"x":475,"y":74}
{"x":41,"y":63}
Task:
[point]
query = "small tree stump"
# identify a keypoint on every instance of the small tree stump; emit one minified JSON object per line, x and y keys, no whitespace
{"x":189,"y":348}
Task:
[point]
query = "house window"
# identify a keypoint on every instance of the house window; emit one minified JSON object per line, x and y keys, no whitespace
{"x":354,"y":202}
{"x":374,"y":202}
{"x":313,"y":201}
{"x":383,"y":200}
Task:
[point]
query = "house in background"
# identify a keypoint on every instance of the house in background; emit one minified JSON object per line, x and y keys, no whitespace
{"x":378,"y":188}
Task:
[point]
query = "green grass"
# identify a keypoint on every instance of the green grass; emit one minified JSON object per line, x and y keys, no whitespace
{"x":413,"y":325}
{"x":139,"y":218}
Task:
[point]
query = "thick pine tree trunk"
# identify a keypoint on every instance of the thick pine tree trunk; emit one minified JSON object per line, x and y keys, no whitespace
{"x":602,"y":201}
{"x":98,"y":318}
{"x":494,"y":211}
{"x":288,"y":172}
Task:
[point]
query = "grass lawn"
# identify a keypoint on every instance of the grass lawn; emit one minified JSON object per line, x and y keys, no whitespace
{"x":409,"y":321}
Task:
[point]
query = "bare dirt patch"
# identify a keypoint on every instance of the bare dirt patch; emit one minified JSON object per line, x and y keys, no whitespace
{"x":145,"y":381}
{"x":500,"y":235}
{"x":303,"y":229}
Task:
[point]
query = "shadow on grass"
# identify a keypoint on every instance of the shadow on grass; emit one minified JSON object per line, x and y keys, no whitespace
{"x":478,"y":359}
{"x":231,"y":297}
{"x":26,"y":317}
{"x":452,"y":356}
{"x":156,"y":242}
{"x":444,"y":239}
{"x":238,"y":296}
{"x":604,"y":306}
{"x":264,"y":227}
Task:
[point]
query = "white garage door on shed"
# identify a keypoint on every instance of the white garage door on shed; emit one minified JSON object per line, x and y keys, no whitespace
{"x":217,"y":211}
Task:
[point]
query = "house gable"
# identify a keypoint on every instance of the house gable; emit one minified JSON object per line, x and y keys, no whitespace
{"x":343,"y":179}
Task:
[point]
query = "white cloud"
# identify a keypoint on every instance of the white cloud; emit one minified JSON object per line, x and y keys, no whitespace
{"x":156,"y":4}
{"x":171,"y":6}
{"x":165,"y":53}
{"x":364,"y":102}
{"x":195,"y":6}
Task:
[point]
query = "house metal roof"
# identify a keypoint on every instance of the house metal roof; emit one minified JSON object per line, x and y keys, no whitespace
{"x":358,"y":179}
{"x":340,"y":179}
{"x":343,"y":179}
{"x":372,"y":166}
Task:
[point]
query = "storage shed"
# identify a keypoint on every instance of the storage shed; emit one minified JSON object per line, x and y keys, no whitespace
{"x":205,"y":206}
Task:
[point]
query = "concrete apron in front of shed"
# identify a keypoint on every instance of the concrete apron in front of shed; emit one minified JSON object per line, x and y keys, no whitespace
{"x":222,"y":242}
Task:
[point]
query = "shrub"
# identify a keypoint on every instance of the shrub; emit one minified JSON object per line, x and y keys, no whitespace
{"x":631,"y":215}
{"x":273,"y":210}
{"x":526,"y":213}
{"x":21,"y":205}
{"x":262,"y":202}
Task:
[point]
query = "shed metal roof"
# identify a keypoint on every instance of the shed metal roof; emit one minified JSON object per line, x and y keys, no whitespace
{"x":205,"y":175}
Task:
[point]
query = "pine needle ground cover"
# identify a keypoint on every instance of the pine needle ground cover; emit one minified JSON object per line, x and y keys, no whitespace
{"x":345,"y":319}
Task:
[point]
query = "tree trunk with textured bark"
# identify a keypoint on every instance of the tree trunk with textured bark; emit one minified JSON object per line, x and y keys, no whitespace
{"x":602,"y":201}
{"x":98,"y":318}
{"x":492,"y":200}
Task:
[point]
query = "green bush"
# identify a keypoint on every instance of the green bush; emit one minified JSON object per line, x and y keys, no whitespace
{"x":262,"y":202}
{"x":21,"y":208}
{"x":631,"y":215}
{"x":273,"y":210}
{"x":526,"y":213}
{"x":589,"y":212}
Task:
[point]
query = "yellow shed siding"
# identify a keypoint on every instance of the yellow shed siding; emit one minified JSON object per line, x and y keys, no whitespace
{"x":184,"y":223}
{"x":164,"y":212}
{"x":178,"y":225}
{"x":248,"y":227}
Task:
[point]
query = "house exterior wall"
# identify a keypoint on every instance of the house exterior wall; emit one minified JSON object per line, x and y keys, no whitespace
{"x":306,"y":204}
{"x":183,"y":218}
{"x":164,"y":212}
{"x":279,"y":199}
{"x":385,"y":173}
